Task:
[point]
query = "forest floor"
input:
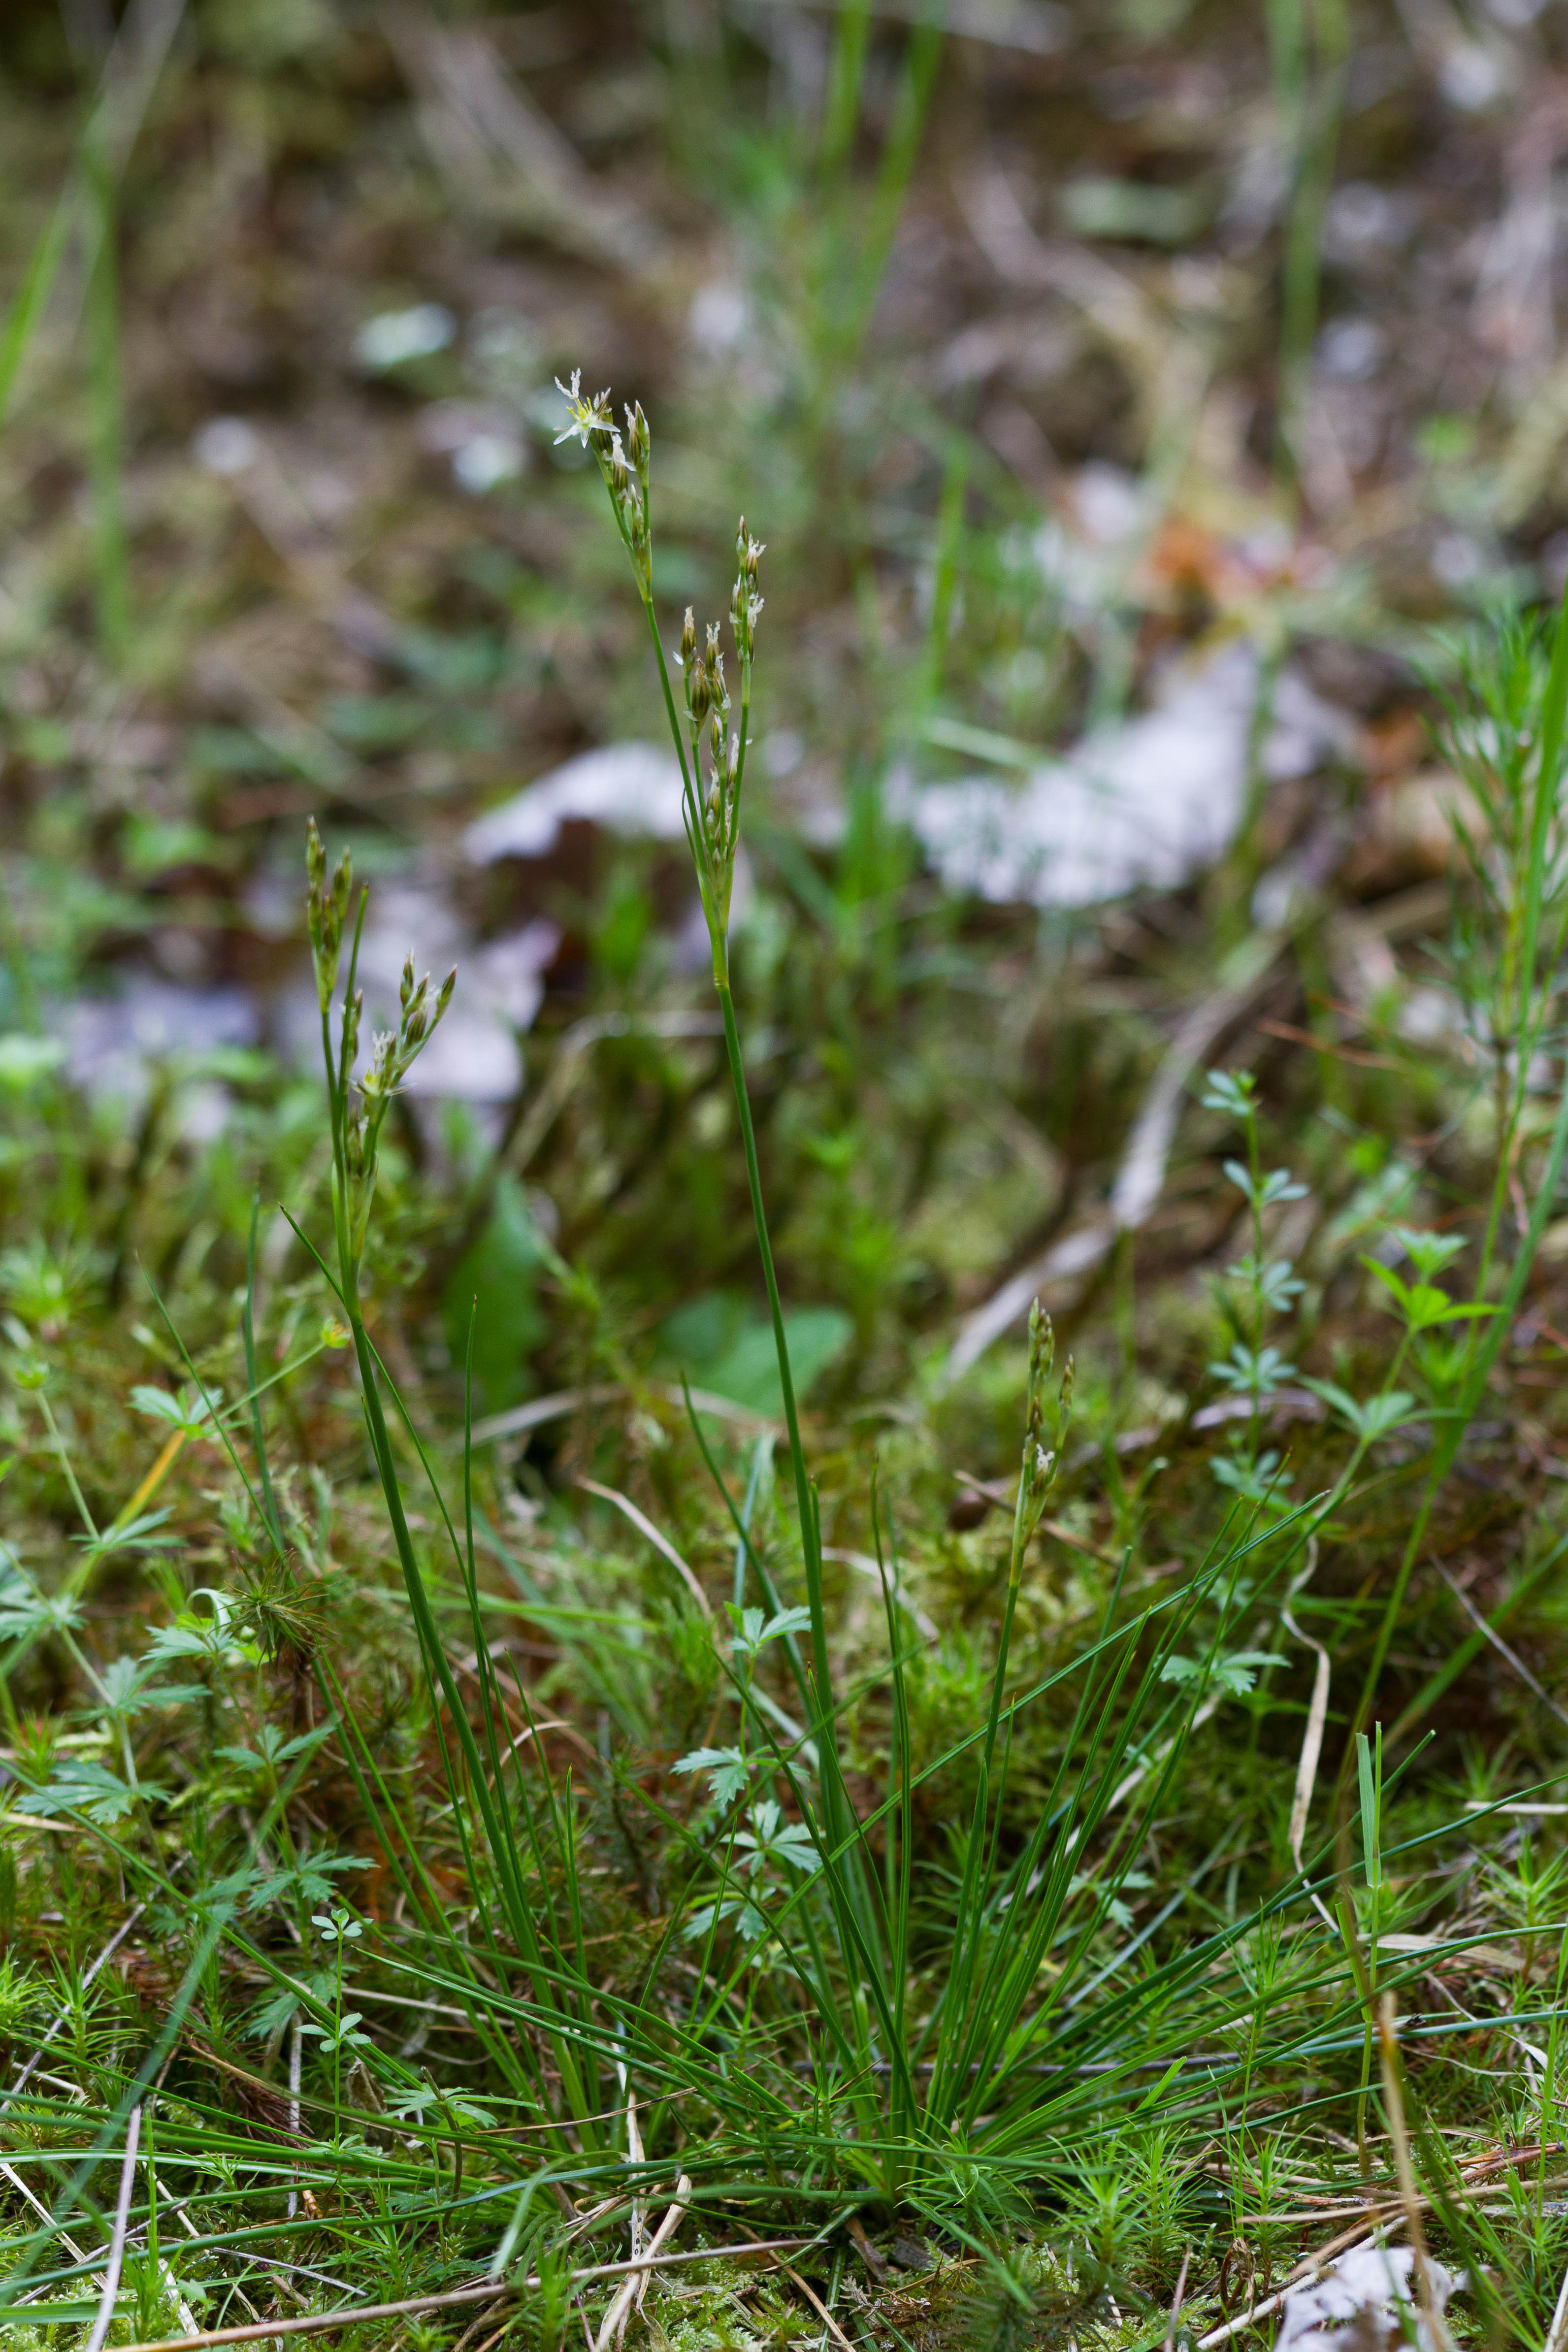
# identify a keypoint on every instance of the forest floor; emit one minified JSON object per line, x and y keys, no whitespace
{"x":479,"y":1789}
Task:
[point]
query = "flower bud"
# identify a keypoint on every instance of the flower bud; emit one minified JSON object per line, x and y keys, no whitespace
{"x":688,"y":639}
{"x":315,"y":855}
{"x":617,"y":468}
{"x":637,"y":438}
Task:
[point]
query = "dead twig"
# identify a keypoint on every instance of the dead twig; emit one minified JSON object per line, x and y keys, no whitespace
{"x":1140,"y":1176}
{"x":560,"y":1401}
{"x":318,"y":2322}
{"x":1509,"y":1657}
{"x":613,"y":2326}
{"x":660,"y":1542}
{"x":1312,"y":1740}
{"x":116,"y":2261}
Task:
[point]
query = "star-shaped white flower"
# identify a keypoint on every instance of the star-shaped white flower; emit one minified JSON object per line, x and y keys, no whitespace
{"x":589,"y":416}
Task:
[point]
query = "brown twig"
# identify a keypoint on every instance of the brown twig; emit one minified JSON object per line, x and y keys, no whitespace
{"x":318,"y":2322}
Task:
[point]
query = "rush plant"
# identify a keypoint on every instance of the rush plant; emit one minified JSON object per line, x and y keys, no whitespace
{"x":947,"y":2100}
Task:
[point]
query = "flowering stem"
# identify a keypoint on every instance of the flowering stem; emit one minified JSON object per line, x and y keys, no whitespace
{"x":806,"y":1503}
{"x":669,"y":690}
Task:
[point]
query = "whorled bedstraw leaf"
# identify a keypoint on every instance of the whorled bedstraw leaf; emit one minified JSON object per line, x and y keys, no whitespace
{"x":1255,"y":1482}
{"x":1427,"y":1253}
{"x":342,"y":2036}
{"x":1264,"y":1192}
{"x":1373,"y":1420}
{"x":1231,"y":1092}
{"x":1274,"y":1280}
{"x":1422,"y":1304}
{"x":186,"y":1408}
{"x":1253,"y":1372}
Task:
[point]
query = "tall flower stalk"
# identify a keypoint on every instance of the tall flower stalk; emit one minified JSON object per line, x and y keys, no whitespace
{"x":711,"y":739}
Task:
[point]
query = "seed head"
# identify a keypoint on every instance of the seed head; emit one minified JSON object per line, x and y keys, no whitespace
{"x":688,"y":639}
{"x":637,"y":517}
{"x":326,"y":906}
{"x":637,"y":438}
{"x":745,"y":604}
{"x":1042,"y":1350}
{"x":699,"y":695}
{"x":1038,"y":1468}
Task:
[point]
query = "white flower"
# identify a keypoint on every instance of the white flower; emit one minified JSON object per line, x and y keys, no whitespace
{"x":589,"y":416}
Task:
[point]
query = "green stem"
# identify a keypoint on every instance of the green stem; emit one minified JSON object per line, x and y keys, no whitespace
{"x":823,"y":1726}
{"x":1449,"y":1440}
{"x":668,"y":691}
{"x":1549,"y":761}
